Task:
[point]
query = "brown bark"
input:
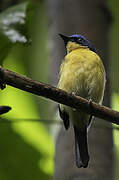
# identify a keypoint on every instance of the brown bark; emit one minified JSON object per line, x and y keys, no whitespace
{"x":91,"y":19}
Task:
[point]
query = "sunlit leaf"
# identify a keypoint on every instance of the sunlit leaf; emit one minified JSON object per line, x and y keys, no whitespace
{"x":12,"y":28}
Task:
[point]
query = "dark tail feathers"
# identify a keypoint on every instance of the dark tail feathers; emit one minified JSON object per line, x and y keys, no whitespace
{"x":81,"y":147}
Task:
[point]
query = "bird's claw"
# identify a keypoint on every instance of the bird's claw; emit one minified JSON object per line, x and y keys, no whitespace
{"x":90,"y":102}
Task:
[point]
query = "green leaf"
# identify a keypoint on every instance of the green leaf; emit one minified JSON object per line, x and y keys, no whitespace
{"x":13,"y":28}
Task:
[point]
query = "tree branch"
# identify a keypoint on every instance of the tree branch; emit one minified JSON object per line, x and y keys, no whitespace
{"x":58,"y":95}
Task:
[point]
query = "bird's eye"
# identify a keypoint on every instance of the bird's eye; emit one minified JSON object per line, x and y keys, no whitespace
{"x":80,"y":39}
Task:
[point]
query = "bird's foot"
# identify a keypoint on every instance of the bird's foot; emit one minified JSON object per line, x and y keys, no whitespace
{"x":90,"y":102}
{"x":73,"y":93}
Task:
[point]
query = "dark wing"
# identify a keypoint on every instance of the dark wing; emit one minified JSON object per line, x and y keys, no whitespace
{"x":65,"y":117}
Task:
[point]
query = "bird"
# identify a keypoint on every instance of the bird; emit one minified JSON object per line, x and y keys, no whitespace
{"x":82,"y":73}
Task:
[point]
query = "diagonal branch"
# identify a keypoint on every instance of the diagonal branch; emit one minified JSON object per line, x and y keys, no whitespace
{"x":26,"y":84}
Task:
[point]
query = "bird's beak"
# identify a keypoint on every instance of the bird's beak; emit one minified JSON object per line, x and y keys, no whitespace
{"x":65,"y":38}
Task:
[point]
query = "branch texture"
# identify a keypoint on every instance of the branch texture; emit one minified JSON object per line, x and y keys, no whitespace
{"x":26,"y":84}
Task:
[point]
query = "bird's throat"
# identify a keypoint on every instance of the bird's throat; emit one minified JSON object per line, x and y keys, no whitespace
{"x":72,"y":46}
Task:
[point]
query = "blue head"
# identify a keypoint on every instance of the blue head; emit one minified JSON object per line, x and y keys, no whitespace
{"x":78,"y":39}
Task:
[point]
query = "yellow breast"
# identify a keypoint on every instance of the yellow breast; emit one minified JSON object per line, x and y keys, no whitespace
{"x":82,"y":72}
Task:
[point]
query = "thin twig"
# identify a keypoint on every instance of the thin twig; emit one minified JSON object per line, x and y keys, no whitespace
{"x":58,"y":95}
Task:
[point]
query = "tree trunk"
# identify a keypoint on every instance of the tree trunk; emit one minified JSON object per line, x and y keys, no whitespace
{"x":91,"y":19}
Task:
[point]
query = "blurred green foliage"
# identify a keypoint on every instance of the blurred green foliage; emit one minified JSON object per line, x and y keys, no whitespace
{"x":27,"y":148}
{"x":114,"y":44}
{"x":114,"y":56}
{"x":12,"y":28}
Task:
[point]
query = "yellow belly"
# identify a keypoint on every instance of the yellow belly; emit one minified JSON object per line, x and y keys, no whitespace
{"x":83,"y":73}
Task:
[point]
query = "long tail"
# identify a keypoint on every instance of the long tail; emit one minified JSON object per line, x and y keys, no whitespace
{"x":81,"y":147}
